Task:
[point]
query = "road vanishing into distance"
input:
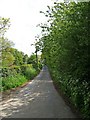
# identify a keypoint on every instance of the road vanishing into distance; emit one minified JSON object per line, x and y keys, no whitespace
{"x":38,"y":99}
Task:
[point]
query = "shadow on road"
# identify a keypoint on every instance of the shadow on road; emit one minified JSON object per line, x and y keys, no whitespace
{"x":38,"y":99}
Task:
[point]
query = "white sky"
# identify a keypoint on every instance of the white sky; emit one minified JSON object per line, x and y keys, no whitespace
{"x":24,"y":16}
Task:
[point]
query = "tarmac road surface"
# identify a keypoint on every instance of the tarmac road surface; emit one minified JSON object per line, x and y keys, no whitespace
{"x":38,"y":99}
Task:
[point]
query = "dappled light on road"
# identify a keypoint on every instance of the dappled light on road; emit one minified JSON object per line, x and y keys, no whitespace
{"x":21,"y":98}
{"x":38,"y":99}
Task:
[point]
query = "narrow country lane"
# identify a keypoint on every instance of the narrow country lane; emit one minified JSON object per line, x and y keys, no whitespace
{"x":38,"y":99}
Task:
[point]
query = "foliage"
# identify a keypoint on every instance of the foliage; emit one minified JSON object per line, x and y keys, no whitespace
{"x":25,"y":59}
{"x":10,"y":71}
{"x":0,"y":84}
{"x":6,"y":58}
{"x":32,"y":60}
{"x":14,"y":69}
{"x":28,"y":71}
{"x":12,"y":81}
{"x":18,"y":55}
{"x":4,"y":25}
{"x":9,"y":56}
{"x":65,"y":50}
{"x":16,"y":75}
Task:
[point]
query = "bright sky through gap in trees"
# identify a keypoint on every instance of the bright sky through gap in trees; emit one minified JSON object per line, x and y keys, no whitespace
{"x":24,"y":16}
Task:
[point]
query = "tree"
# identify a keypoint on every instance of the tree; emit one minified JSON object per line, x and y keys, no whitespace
{"x":32,"y":60}
{"x":25,"y":58}
{"x":66,"y":47}
{"x":38,"y":47}
{"x":6,"y":58}
{"x":19,"y":56}
{"x":4,"y":25}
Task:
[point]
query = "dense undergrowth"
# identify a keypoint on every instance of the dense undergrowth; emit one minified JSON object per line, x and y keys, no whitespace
{"x":12,"y":77}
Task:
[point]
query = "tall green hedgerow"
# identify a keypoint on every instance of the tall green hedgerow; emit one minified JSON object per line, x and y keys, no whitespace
{"x":65,"y":50}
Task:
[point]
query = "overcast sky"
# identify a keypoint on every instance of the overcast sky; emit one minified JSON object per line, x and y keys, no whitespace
{"x":24,"y":16}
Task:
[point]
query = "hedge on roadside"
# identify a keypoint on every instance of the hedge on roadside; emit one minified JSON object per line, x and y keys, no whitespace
{"x":14,"y":70}
{"x":10,"y":71}
{"x":13,"y":81}
{"x":28,"y":71}
{"x":14,"y":76}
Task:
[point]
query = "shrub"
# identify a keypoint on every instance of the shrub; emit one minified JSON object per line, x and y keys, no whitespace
{"x":39,"y":66}
{"x":13,"y":81}
{"x":14,"y":76}
{"x":10,"y":71}
{"x":24,"y":67}
{"x":28,"y":71}
{"x":16,"y":68}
